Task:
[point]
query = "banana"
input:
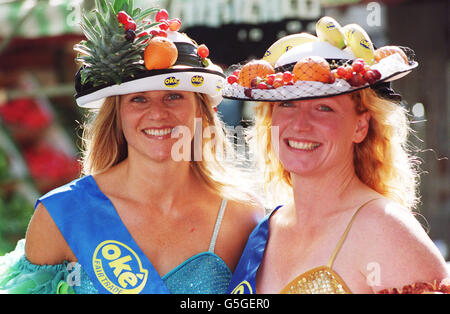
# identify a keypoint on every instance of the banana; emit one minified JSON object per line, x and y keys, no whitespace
{"x":284,"y":44}
{"x":329,"y":30}
{"x":359,"y":42}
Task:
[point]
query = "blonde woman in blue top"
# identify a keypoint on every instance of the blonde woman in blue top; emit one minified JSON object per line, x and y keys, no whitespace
{"x":143,"y":218}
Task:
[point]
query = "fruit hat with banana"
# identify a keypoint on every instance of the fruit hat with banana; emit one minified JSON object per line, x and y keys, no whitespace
{"x":129,"y":50}
{"x":338,"y":60}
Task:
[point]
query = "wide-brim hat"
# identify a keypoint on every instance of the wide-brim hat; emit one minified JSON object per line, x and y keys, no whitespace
{"x":190,"y":72}
{"x":336,"y":62}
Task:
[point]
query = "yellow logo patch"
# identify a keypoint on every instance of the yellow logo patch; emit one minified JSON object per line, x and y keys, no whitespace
{"x":118,"y":268}
{"x":243,"y":288}
{"x":197,"y":80}
{"x":171,"y":82}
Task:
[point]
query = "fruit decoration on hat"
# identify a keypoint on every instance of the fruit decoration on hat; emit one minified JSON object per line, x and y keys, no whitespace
{"x":342,"y":59}
{"x":129,"y":49}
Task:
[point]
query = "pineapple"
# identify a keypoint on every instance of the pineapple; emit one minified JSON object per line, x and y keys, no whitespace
{"x":110,"y":55}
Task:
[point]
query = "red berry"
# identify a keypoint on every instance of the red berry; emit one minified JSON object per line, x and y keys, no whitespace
{"x":341,"y":72}
{"x":287,"y":76}
{"x":369,"y":76}
{"x":348,"y":74}
{"x":377,"y":74}
{"x":162,"y":15}
{"x":236,"y":73}
{"x":122,"y":17}
{"x":142,"y":34}
{"x":332,"y":78}
{"x":203,"y":51}
{"x":248,"y":92}
{"x":174,"y":24}
{"x":270,"y":78}
{"x":357,"y":66}
{"x":262,"y":85}
{"x":356,"y":80}
{"x":232,"y":79}
{"x":254,"y":82}
{"x":164,"y":25}
{"x":130,"y":24}
{"x":154,"y":33}
{"x":162,"y":34}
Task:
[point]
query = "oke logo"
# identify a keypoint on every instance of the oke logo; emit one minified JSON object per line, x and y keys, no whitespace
{"x":118,"y":268}
{"x":171,"y":82}
{"x":197,"y":80}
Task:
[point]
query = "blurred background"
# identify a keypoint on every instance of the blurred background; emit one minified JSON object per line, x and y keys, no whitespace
{"x":40,"y":122}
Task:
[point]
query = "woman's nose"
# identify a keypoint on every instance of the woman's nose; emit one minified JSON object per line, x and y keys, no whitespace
{"x":301,"y":120}
{"x":157,"y":110}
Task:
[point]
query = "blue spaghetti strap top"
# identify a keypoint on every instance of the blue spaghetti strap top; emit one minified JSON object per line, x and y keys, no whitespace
{"x":203,"y":273}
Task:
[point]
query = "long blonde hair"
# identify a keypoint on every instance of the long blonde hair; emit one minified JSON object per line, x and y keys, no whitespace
{"x":383,"y":160}
{"x":104,"y":146}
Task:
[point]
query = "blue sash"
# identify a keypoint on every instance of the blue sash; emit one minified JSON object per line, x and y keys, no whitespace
{"x":244,"y":277}
{"x":97,"y":236}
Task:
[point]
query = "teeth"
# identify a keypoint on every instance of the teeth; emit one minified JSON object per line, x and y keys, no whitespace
{"x":303,"y":145}
{"x":158,"y":132}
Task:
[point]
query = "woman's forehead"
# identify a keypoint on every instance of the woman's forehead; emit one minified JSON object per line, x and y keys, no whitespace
{"x":159,"y":92}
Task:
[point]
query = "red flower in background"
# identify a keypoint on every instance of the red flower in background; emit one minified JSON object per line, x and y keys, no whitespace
{"x":50,"y":167}
{"x":26,"y":113}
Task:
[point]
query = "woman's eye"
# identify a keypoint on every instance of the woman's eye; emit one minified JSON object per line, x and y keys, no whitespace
{"x":139,"y":99}
{"x":325,"y":108}
{"x":174,"y":96}
{"x":286,"y":104}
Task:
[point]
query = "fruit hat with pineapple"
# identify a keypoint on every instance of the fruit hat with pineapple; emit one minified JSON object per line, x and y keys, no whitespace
{"x":129,"y":50}
{"x":338,"y":60}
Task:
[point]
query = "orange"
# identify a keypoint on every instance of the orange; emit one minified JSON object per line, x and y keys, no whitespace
{"x":312,"y":69}
{"x":253,"y":69}
{"x":160,"y":53}
{"x":385,"y":51}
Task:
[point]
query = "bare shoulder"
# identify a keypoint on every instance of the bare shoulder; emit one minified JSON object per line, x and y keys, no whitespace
{"x":390,"y":236}
{"x":239,"y":220}
{"x":245,"y":214}
{"x":45,"y":244}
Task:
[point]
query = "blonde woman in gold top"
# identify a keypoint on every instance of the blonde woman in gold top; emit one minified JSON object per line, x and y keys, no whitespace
{"x":339,"y":152}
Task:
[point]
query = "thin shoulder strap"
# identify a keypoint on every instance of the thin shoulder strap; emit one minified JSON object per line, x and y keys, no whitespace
{"x":344,"y":236}
{"x":212,"y":244}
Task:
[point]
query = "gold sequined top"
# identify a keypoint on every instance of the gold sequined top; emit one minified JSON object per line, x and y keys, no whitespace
{"x":322,"y":279}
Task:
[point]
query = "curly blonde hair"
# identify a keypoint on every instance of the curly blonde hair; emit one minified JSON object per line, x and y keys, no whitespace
{"x":104,"y":146}
{"x":383,"y":160}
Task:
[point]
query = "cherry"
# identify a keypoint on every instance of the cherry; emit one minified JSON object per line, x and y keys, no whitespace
{"x":357,"y":67}
{"x":122,"y":17}
{"x":232,"y":79}
{"x":162,"y":33}
{"x":287,"y":77}
{"x":377,"y":74}
{"x":341,"y":72}
{"x":130,"y":24}
{"x":162,"y":15}
{"x":369,"y":76}
{"x":262,"y":85}
{"x":278,"y":82}
{"x":248,"y":92}
{"x":332,"y":78}
{"x":142,"y":34}
{"x":130,"y":34}
{"x":164,"y":25}
{"x":270,"y":79}
{"x":203,"y":51}
{"x":174,"y":24}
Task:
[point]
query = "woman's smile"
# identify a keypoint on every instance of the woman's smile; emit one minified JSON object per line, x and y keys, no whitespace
{"x":161,"y":133}
{"x":302,"y":145}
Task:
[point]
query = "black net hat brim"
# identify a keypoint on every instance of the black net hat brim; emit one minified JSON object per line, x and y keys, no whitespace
{"x":391,"y":68}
